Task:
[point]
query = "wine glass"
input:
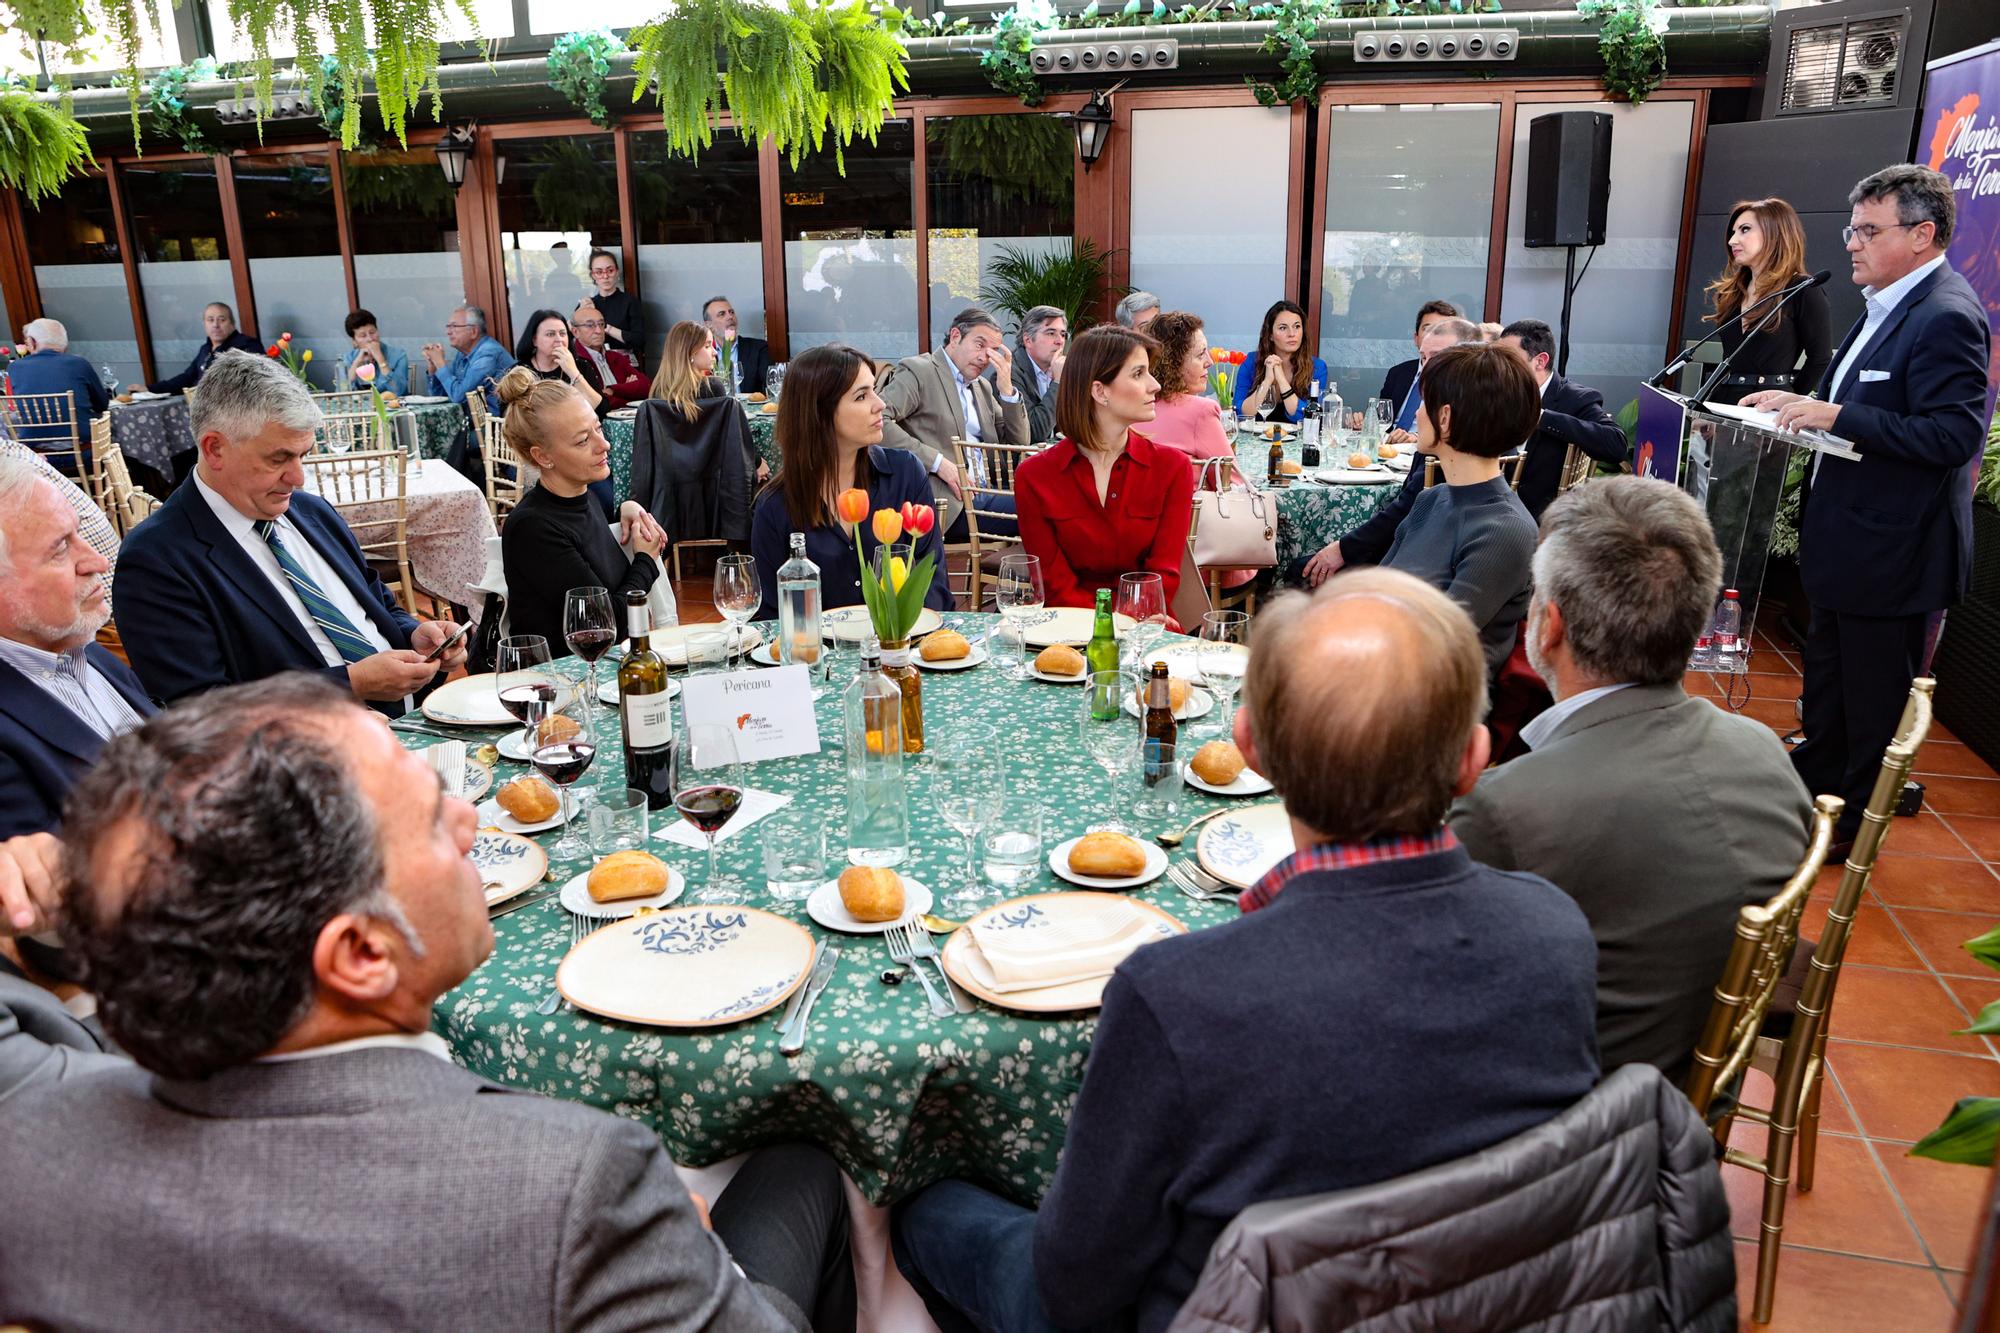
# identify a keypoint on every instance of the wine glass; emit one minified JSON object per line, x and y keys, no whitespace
{"x":774,"y":381}
{"x":737,"y":595}
{"x":1019,"y":592}
{"x":590,"y":631}
{"x":968,"y":790}
{"x":522,"y":677}
{"x":1111,"y":734}
{"x":1384,"y":418}
{"x":561,"y":752}
{"x":708,"y":791}
{"x":110,"y":378}
{"x":1143,"y":597}
{"x":1221,"y":659}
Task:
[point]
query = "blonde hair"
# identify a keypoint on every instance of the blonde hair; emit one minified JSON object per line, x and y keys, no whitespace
{"x":677,"y":381}
{"x":525,"y":399}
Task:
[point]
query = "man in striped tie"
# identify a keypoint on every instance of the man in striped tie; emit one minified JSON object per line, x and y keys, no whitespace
{"x":246,"y":574}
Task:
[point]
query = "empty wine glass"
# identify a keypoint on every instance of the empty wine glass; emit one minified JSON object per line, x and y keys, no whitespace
{"x":1018,"y":591}
{"x":774,"y":381}
{"x":110,"y":378}
{"x":590,"y":631}
{"x":1222,"y":658}
{"x":522,"y":677}
{"x":561,"y":751}
{"x":1143,"y":598}
{"x":708,"y":791}
{"x":1383,"y":413}
{"x":737,"y":596}
{"x":968,"y":790}
{"x":1111,"y":735}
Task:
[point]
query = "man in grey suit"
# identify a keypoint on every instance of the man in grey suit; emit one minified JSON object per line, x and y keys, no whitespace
{"x":268,"y":895}
{"x":1660,"y":814}
{"x":1039,"y":359}
{"x":47,"y":1026}
{"x":930,"y":399}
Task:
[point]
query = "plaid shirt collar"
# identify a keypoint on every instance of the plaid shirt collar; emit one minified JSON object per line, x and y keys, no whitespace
{"x":1341,"y":856}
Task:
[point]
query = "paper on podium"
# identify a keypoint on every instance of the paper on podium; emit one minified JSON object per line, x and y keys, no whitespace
{"x":1818,"y":440}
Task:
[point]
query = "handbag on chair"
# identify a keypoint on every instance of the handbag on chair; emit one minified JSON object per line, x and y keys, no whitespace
{"x":1234,"y":530}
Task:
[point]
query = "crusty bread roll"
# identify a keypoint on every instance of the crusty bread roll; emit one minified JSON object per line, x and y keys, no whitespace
{"x":1107,"y":856}
{"x":753,"y":397}
{"x":946,"y":645}
{"x":1177,"y":691}
{"x":1358,"y":459}
{"x":769,"y":409}
{"x":629,"y":874}
{"x":557,"y":728}
{"x":1290,"y":467}
{"x":805,"y":649}
{"x":871,"y":893}
{"x":1218,"y":763}
{"x":1391,"y":451}
{"x":1059,"y":660}
{"x":529,"y":799}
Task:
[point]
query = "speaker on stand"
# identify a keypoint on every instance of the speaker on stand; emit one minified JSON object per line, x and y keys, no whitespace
{"x":1569,"y":195}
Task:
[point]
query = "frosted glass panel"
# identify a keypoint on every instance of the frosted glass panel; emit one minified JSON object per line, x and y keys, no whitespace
{"x":91,"y":302}
{"x":176,"y":294}
{"x":1409,"y":202}
{"x":699,"y":227}
{"x":1618,"y":326}
{"x":860,"y":290}
{"x":677,"y":279}
{"x":305,"y":296}
{"x":1207,"y":239}
{"x":411,"y":296}
{"x":557,"y":202}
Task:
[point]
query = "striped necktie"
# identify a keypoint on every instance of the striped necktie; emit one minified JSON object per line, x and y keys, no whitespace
{"x":347,"y":640}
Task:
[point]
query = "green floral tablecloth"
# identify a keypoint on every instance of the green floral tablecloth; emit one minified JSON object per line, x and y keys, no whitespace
{"x":899,"y":1097}
{"x":1311,"y":514}
{"x":618,"y":431}
{"x":431,"y":427}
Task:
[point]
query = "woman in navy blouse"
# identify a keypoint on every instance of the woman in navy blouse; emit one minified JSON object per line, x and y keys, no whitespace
{"x":829,"y":436}
{"x":1282,"y":374}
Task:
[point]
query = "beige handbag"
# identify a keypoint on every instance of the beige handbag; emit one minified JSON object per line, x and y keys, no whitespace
{"x":1235,"y":529}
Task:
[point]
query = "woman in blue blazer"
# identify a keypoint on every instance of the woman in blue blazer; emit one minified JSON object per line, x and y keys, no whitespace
{"x":1283,"y":374}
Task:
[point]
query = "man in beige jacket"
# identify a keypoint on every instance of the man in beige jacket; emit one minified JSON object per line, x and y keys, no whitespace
{"x":929,"y":400}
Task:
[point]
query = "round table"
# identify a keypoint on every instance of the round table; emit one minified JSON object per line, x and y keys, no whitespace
{"x":899,"y":1097}
{"x":620,"y":430}
{"x":155,"y":431}
{"x":1312,"y":513}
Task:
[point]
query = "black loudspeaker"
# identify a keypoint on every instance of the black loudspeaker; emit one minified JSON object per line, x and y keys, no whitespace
{"x":1569,"y":178}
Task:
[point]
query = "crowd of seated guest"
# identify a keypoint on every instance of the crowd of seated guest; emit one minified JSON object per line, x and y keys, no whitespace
{"x":543,"y":351}
{"x":476,"y":359}
{"x":963,"y":391}
{"x":220,"y":334}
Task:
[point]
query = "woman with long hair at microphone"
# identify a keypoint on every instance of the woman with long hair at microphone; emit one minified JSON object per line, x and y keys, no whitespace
{"x":1767,"y":253}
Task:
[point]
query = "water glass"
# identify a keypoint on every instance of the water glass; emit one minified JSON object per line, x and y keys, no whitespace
{"x":795,"y":856}
{"x":1160,"y":794}
{"x":1111,"y":733}
{"x":1222,"y":659}
{"x":1143,"y":597}
{"x":1010,"y":848}
{"x":774,"y":381}
{"x":1009,"y":651}
{"x":618,"y":822}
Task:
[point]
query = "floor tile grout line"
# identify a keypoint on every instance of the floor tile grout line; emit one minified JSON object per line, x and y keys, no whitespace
{"x":1909,"y":1218}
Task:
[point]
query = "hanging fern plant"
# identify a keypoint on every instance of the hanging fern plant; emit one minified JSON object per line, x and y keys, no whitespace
{"x":771,"y":79}
{"x":579,"y":62}
{"x":861,"y":68}
{"x":40,"y":146}
{"x":676,"y":55}
{"x":73,"y":28}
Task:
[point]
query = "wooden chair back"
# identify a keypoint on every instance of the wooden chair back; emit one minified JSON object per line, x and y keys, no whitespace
{"x":370,"y":489}
{"x":123,"y":502}
{"x":99,"y":486}
{"x":1510,"y":468}
{"x":350,"y":431}
{"x":985,"y":472}
{"x":1578,"y":467}
{"x":507,"y":476}
{"x":46,"y":423}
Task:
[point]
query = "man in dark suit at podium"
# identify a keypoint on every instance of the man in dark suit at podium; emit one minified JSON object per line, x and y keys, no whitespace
{"x":1886,"y":540}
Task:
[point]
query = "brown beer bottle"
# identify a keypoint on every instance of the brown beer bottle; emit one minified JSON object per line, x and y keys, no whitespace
{"x":1157,"y":754}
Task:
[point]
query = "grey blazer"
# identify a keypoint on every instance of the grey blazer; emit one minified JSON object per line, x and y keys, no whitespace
{"x":40,"y":1040}
{"x":1041,"y":407}
{"x":1661,"y":815}
{"x":373,"y":1189}
{"x":923,"y":412}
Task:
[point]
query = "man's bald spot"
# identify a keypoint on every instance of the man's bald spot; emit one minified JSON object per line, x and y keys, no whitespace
{"x":1353,"y":650}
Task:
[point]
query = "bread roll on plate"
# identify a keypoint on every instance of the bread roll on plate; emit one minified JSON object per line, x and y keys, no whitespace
{"x":946,"y":645}
{"x":1104,"y":855}
{"x":1059,"y":660}
{"x":629,"y":874}
{"x":871,"y":893}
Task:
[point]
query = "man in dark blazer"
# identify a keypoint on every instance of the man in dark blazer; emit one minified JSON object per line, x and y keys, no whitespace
{"x":218,"y":322}
{"x":1228,"y":1067}
{"x":294,"y":1141}
{"x":1571,"y":414}
{"x":1038,"y":366}
{"x":748,"y":358}
{"x":1402,"y":376}
{"x":62,"y":695}
{"x":1660,"y":814}
{"x":1885,"y":541}
{"x":50,"y":367}
{"x":242,"y":574}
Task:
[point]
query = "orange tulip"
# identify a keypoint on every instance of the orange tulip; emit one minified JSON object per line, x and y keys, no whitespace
{"x":1219,"y":355}
{"x":918,"y":519}
{"x":888,"y":525}
{"x":852,"y":505}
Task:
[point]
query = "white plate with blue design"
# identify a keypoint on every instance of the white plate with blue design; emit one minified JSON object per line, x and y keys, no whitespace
{"x":850,"y":624}
{"x":1156,"y":866}
{"x":964,"y":964}
{"x":1063,"y":624}
{"x":508,"y":864}
{"x":688,"y":967}
{"x":1240,"y":848}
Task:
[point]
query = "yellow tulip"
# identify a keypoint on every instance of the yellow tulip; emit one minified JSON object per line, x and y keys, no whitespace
{"x":308,"y":356}
{"x":888,"y":525}
{"x":899,"y":572}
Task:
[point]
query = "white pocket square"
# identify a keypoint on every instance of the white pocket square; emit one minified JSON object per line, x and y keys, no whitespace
{"x":1874,"y":376}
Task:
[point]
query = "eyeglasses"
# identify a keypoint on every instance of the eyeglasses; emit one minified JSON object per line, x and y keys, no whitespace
{"x":1868,"y":231}
{"x":590,"y":323}
{"x":452,"y":328}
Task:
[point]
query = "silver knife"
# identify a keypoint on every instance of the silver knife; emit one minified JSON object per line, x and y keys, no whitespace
{"x":798,"y":999}
{"x":793,"y":1040}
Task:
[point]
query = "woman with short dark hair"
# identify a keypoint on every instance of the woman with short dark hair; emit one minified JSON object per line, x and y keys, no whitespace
{"x":392,"y":364}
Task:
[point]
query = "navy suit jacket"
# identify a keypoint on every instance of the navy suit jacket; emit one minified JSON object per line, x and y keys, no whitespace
{"x":1397,"y":383}
{"x":204,"y":357}
{"x":1890,"y":534}
{"x":44,"y":748}
{"x":55,"y":372}
{"x":755,"y":354}
{"x":1571,"y":414}
{"x":201,"y":613}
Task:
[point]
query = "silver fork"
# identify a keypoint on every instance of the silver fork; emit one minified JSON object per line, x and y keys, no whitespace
{"x":923,"y":946}
{"x":1197,"y":883}
{"x":555,"y":998}
{"x":900,"y":949}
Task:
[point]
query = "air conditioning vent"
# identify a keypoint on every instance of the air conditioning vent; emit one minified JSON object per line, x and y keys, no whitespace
{"x":1840,"y":65}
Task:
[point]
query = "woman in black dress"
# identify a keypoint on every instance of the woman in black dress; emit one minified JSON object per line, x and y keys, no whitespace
{"x":1767,"y":253}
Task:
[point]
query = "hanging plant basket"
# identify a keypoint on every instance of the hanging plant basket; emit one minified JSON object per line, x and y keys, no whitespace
{"x":40,"y":147}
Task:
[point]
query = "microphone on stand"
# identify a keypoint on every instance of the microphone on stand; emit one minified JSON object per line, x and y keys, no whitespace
{"x":1781,"y":296}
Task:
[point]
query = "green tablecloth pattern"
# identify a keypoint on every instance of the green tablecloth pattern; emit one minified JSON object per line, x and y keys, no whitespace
{"x":899,"y":1097}
{"x":431,"y":427}
{"x":1310,"y":514}
{"x":618,"y":432}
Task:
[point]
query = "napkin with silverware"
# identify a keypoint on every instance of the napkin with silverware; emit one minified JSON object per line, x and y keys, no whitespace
{"x":447,"y":758}
{"x":1053,"y":951}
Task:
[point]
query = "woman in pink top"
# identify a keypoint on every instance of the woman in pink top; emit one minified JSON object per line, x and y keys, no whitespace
{"x":1183,"y":418}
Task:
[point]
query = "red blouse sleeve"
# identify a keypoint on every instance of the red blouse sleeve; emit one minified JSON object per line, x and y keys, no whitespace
{"x":1033,"y":483}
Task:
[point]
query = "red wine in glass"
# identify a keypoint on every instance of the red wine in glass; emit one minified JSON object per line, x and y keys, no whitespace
{"x":521,"y":700}
{"x":709,"y":808}
{"x":564,"y":762}
{"x":591,"y":644}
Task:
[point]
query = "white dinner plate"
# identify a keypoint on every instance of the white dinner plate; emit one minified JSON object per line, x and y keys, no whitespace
{"x":1156,"y":866}
{"x":420,"y":399}
{"x":508,"y":862}
{"x":1078,"y":679}
{"x":478,"y":780}
{"x":1240,"y":848}
{"x":688,"y":967}
{"x":670,"y":641}
{"x":607,"y":691}
{"x":964,"y":964}
{"x":1351,"y":476}
{"x":576,"y":897}
{"x":1199,"y":703}
{"x":1264,"y":430}
{"x":147,"y":396}
{"x":1063,"y":624}
{"x":1248,"y":783}
{"x":469,"y":701}
{"x":850,"y":624}
{"x":490,"y":813}
{"x":972,"y":659}
{"x":826,"y":908}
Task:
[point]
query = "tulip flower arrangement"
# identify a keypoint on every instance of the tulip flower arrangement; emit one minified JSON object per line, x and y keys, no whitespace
{"x":895,"y":583}
{"x":364,"y":374}
{"x":294,"y":360}
{"x":1223,"y":377}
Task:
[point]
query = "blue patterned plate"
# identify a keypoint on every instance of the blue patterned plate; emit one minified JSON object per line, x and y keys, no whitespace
{"x":1239,"y":848}
{"x":687,"y":967}
{"x":1063,"y":624}
{"x":508,"y":862}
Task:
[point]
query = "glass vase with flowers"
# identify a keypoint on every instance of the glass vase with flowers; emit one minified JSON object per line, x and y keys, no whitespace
{"x":893,"y":585}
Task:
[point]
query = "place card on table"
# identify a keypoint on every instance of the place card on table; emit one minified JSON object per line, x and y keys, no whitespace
{"x":756,"y":804}
{"x":770,"y":712}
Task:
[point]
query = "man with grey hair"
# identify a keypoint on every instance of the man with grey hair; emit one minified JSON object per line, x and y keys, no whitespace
{"x":62,"y":695}
{"x":476,"y":359}
{"x":1885,"y":541}
{"x":1660,"y":814}
{"x":50,"y":367}
{"x":268,"y":895}
{"x":964,"y":391}
{"x":244,"y":574}
{"x":218,"y":324}
{"x":1137,"y":309}
{"x":1044,"y":335}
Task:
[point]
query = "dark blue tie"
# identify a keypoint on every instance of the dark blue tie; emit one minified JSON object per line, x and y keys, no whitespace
{"x":347,"y":640}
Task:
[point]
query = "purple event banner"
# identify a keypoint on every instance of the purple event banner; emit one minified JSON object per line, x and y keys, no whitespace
{"x":1960,"y":136}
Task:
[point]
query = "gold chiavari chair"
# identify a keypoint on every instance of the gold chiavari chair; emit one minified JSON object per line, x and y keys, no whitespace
{"x":100,"y":446}
{"x":985,"y":471}
{"x":475,"y":405}
{"x":370,"y":490}
{"x":344,"y":402}
{"x":122,"y":502}
{"x":350,"y":431}
{"x":1578,"y":467}
{"x":507,"y":476}
{"x":1795,"y":1063}
{"x":46,"y":423}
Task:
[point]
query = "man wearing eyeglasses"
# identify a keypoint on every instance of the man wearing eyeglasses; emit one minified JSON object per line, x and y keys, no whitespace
{"x":475,"y":361}
{"x":614,"y":375}
{"x":1886,"y":540}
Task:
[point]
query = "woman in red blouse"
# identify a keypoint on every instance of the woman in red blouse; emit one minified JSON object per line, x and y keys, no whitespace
{"x":1104,"y":500}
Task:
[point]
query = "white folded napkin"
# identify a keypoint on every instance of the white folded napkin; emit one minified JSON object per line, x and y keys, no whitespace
{"x":447,"y":758}
{"x":1057,"y":949}
{"x":756,"y":804}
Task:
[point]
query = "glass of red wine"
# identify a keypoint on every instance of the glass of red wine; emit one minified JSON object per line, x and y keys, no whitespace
{"x":561,"y":751}
{"x":708,"y":791}
{"x":522,"y":677}
{"x":590,"y":630}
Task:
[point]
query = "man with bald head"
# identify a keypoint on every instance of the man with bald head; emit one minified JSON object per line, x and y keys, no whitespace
{"x":1385,"y":1003}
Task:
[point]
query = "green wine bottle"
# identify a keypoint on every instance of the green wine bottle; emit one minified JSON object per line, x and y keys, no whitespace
{"x":1102,"y":655}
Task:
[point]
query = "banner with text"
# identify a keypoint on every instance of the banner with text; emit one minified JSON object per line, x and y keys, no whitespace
{"x":1960,"y":136}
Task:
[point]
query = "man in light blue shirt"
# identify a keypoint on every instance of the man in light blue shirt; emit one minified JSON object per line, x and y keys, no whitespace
{"x":475,"y":358}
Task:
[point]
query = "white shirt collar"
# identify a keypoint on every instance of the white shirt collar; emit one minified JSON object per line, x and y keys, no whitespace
{"x":238,"y":524}
{"x":1888,"y":298}
{"x":1544,"y":390}
{"x":1538,"y":729}
{"x":428,"y":1042}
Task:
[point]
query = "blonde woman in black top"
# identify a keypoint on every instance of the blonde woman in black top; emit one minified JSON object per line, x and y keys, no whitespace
{"x":1767,"y":253}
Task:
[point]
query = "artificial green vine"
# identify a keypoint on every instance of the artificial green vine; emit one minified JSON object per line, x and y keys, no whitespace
{"x":166,"y":98}
{"x":578,"y":65}
{"x":1294,"y":24}
{"x":40,"y":146}
{"x":1630,"y":44}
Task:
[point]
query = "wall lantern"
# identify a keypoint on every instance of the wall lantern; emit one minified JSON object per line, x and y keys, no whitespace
{"x":453,"y":151}
{"x":1093,"y":127}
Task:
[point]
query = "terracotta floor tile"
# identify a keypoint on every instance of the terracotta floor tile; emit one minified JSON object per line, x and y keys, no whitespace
{"x":1834,"y":1117}
{"x":1776,"y":714}
{"x":1928,"y":835}
{"x":1873,"y":942}
{"x":1981,"y":833}
{"x":1947,"y":1200}
{"x":1850,"y":1209}
{"x":1821,"y":1292}
{"x":1700,"y":684}
{"x":1946,"y":757}
{"x":1975,"y":993}
{"x":1903,"y":1094}
{"x":1962,"y":796}
{"x":1938,"y":936}
{"x":1902,"y":880}
{"x":1778,"y":687}
{"x":1899,"y":1008}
